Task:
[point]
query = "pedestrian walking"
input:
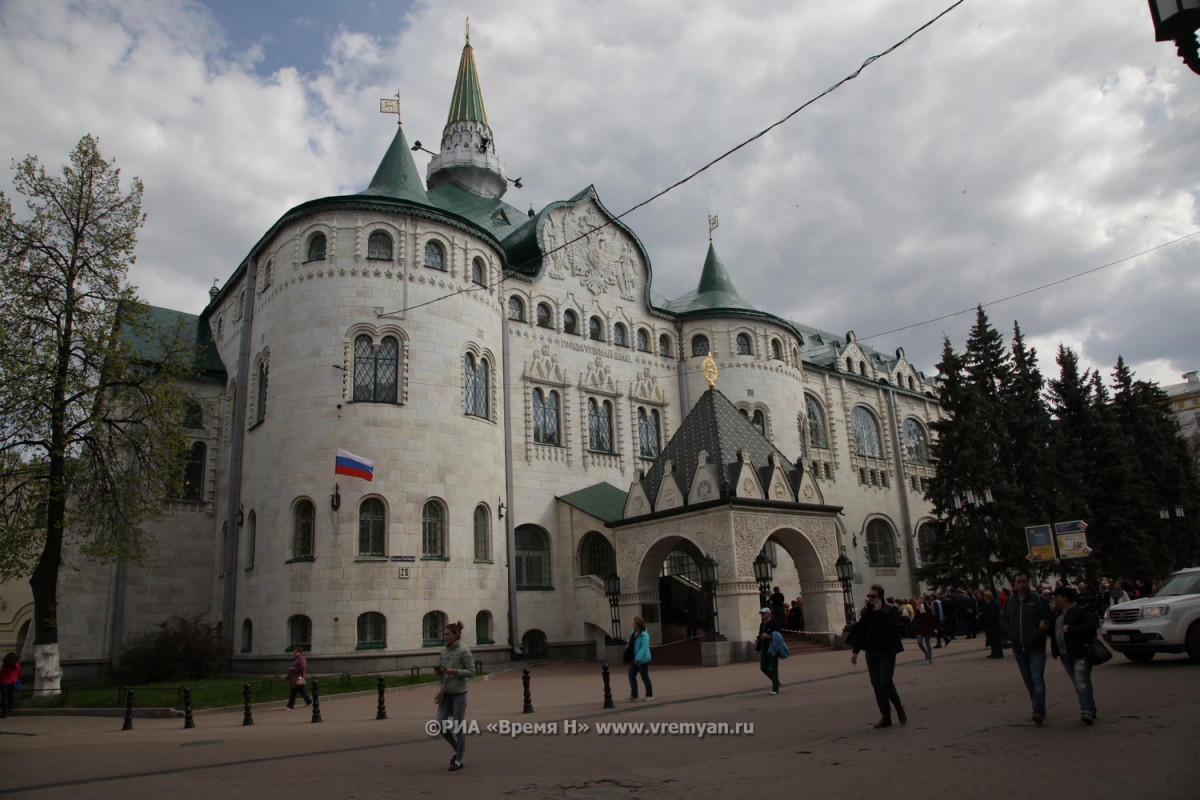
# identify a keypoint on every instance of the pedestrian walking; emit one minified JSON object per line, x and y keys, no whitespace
{"x":297,"y":679}
{"x":768,"y":663}
{"x":989,"y":612}
{"x":455,"y":666}
{"x":878,"y":633}
{"x":1074,"y":627}
{"x":10,"y":677}
{"x":926,"y":625}
{"x":639,"y":637}
{"x":1027,"y":620}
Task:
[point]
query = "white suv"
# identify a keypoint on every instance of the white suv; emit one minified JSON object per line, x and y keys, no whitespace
{"x":1167,"y":621}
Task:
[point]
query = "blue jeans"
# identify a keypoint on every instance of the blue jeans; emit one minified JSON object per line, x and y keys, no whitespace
{"x":454,"y":706}
{"x":1080,"y":672}
{"x":1032,"y":664}
{"x":644,"y":670}
{"x":924,"y":647}
{"x":881,"y":667}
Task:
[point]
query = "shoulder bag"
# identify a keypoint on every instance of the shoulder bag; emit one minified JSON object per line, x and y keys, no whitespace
{"x":1096,"y":652}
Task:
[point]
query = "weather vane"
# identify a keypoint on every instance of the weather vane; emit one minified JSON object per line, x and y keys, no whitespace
{"x":709,"y":368}
{"x":391,"y":105}
{"x":712,"y":225}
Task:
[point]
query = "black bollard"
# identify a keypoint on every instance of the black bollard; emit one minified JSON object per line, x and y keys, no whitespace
{"x":128,"y":726}
{"x":246,"y":718}
{"x":188,"y":722}
{"x":608,"y":701}
{"x":528,"y":709}
{"x":381,"y":713}
{"x":316,"y":700}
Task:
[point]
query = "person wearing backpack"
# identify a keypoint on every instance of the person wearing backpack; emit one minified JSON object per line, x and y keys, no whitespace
{"x":639,"y":637}
{"x":1027,"y":622}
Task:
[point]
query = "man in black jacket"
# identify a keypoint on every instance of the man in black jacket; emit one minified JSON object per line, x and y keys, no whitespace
{"x":768,"y":663}
{"x":1027,"y":621}
{"x":878,"y":632}
{"x":1074,"y":627}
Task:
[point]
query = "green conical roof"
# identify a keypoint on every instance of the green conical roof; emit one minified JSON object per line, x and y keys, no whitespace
{"x":714,"y":291}
{"x":467,"y":103}
{"x":397,"y":174}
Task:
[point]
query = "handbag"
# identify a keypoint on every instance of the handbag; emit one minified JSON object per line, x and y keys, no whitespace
{"x":1096,"y":652}
{"x":437,"y":698}
{"x":627,"y":656}
{"x":300,"y":681}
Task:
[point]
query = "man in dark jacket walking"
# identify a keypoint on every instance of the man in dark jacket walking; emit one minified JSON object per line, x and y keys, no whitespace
{"x":767,"y":663}
{"x":1073,"y":628}
{"x":1027,"y":622}
{"x":878,"y":632}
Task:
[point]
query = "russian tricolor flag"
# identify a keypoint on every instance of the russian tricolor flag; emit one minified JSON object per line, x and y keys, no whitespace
{"x":356,"y":467}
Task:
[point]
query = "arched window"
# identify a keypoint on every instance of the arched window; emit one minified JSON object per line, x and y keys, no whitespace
{"x":435,"y":256}
{"x":699,"y":346}
{"x":776,"y":350}
{"x":881,"y":544}
{"x":247,"y":635}
{"x":620,"y":337}
{"x":533,"y":558}
{"x":570,"y":322}
{"x":649,"y":431}
{"x":744,"y":346}
{"x":371,"y":527}
{"x":865,"y":431}
{"x":545,"y":417}
{"x":600,"y":425}
{"x":544,"y":318}
{"x":376,"y":370}
{"x":479,"y":272}
{"x":596,"y":555}
{"x":910,"y":383}
{"x":481,"y":527}
{"x":916,"y":442}
{"x":483,"y":628}
{"x":379,"y":246}
{"x":596,"y":329}
{"x":251,"y":538}
{"x":849,"y":365}
{"x":664,"y":345}
{"x":926,"y":541}
{"x":316,"y":247}
{"x":759,"y":420}
{"x":516,"y":309}
{"x":193,"y":474}
{"x":433,"y":530}
{"x":304,"y":518}
{"x":299,"y":632}
{"x":643,"y":340}
{"x":862,"y":368}
{"x":261,"y":409}
{"x":817,"y":432}
{"x":193,"y":415}
{"x":268,"y":272}
{"x":372,"y":631}
{"x":433,"y":625}
{"x":476,"y":384}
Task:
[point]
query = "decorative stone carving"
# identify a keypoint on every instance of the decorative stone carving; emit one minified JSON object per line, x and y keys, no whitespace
{"x":645,"y":387}
{"x":577,"y":241}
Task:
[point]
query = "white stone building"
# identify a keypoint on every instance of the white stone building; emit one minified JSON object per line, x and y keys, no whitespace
{"x":537,"y":417}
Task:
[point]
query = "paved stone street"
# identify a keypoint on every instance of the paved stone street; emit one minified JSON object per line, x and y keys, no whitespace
{"x":969,"y":735}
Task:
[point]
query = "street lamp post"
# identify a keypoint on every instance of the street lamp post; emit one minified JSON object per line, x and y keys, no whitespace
{"x":709,"y":581}
{"x":1175,"y":518}
{"x":762,"y":574}
{"x":845,"y":574}
{"x":612,"y":588}
{"x":974,"y":500}
{"x":1178,"y":21}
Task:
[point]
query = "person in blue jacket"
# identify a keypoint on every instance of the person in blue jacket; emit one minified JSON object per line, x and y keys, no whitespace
{"x":641,"y":660}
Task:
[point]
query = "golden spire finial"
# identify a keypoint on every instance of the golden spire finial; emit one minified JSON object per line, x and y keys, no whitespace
{"x":391,"y":105}
{"x":709,"y":368}
{"x":468,"y":31}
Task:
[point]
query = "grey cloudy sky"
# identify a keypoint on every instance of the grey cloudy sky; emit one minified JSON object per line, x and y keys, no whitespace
{"x":1009,"y":146}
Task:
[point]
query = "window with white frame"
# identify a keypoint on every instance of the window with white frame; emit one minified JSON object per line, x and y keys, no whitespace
{"x":865,"y":431}
{"x":533,"y":558}
{"x":814,"y":415}
{"x":482,"y":529}
{"x":649,"y":432}
{"x":881,"y":544}
{"x":433,"y":530}
{"x":475,"y":398}
{"x":620,"y":336}
{"x":600,"y":429}
{"x":643,"y":340}
{"x":546,"y":425}
{"x":372,"y":527}
{"x":376,"y":369}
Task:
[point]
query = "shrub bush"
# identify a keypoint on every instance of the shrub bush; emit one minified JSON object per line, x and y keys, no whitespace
{"x":183,"y":648}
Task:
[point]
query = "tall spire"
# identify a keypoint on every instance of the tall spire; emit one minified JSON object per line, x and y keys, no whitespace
{"x":468,"y":157}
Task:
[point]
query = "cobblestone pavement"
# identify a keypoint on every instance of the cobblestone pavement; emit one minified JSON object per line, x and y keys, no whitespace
{"x":969,"y":734}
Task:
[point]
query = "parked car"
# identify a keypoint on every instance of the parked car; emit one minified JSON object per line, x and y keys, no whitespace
{"x":1167,"y":621}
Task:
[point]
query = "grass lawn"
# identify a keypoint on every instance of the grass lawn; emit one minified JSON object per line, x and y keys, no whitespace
{"x":209,"y":693}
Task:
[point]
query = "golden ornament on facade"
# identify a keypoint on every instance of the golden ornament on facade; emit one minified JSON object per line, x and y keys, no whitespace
{"x":709,"y":368}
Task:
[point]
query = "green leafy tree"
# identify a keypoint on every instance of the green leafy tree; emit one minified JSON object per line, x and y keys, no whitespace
{"x":91,"y":400}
